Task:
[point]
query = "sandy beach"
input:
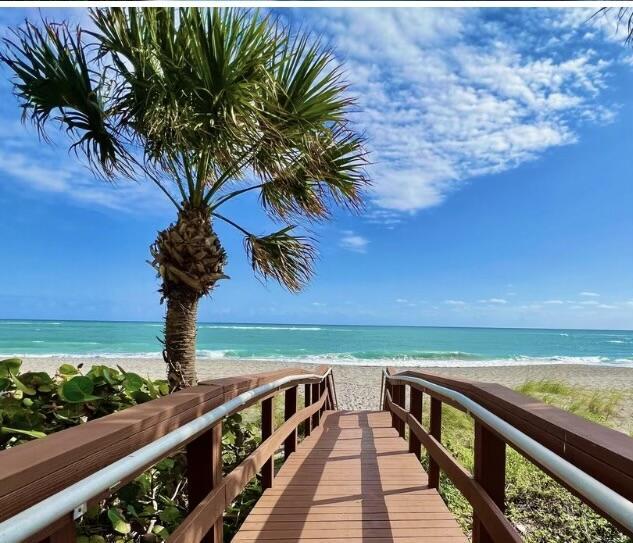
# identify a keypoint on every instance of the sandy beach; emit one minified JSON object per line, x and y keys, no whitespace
{"x":358,"y":387}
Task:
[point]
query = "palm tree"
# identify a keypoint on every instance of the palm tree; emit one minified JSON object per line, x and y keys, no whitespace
{"x":208,"y":105}
{"x":622,"y":17}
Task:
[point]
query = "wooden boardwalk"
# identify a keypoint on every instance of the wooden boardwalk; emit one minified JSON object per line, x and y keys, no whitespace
{"x":353,"y":480}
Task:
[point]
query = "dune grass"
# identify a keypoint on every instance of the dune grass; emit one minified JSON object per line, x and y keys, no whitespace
{"x":540,"y":508}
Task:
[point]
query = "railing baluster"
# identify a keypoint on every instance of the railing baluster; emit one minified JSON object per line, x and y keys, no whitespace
{"x":321,"y":392}
{"x":204,"y":473}
{"x":399,"y":399}
{"x":268,"y":469}
{"x":307,"y":396}
{"x":415,"y":408}
{"x":490,"y":473}
{"x":316,"y":418}
{"x":290,"y":408}
{"x":435,"y":429}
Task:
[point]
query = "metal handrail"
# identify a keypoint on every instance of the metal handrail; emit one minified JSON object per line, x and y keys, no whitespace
{"x":606,"y":499}
{"x":42,"y":514}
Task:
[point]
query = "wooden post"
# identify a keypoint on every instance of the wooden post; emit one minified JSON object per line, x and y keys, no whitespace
{"x":394,"y":391}
{"x":436,"y":431}
{"x":321,"y":392}
{"x":64,"y":533}
{"x":415,"y":408}
{"x":490,"y":473}
{"x":290,"y":408}
{"x":389,"y":389}
{"x":331,"y":393}
{"x":399,"y":399}
{"x":204,"y":473}
{"x":268,"y":469}
{"x":316,"y":418}
{"x":307,"y":396}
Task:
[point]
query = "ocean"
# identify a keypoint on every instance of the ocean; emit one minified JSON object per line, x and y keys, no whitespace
{"x":355,"y":345}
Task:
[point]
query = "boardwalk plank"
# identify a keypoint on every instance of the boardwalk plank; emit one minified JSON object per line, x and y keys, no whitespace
{"x":353,"y":480}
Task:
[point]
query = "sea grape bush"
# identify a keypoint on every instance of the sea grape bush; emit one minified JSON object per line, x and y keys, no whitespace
{"x":149,"y":508}
{"x":34,"y":404}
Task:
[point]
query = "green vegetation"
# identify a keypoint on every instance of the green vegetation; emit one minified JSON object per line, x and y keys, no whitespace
{"x":543,"y":510}
{"x":208,"y":104}
{"x":149,"y":508}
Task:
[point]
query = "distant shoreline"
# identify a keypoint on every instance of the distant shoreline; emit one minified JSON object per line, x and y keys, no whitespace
{"x":592,"y":376}
{"x":429,"y":364}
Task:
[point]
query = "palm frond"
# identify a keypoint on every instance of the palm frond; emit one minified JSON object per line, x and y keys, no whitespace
{"x":53,"y":80}
{"x":310,"y":89}
{"x":623,"y":17}
{"x":286,"y":258}
{"x":193,"y":78}
{"x":330,"y":169}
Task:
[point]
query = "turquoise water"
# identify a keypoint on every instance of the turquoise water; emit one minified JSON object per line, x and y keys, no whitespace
{"x":376,"y":345}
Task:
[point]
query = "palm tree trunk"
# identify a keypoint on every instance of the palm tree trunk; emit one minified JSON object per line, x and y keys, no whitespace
{"x":180,"y":338}
{"x":189,"y":259}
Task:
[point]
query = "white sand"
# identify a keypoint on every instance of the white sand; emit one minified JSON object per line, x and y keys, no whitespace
{"x":358,"y":387}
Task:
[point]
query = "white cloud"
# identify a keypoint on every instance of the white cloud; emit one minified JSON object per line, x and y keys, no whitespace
{"x":353,"y":242}
{"x":496,"y":301}
{"x":402,"y":301}
{"x":589,"y":302}
{"x":455,"y":302}
{"x":589,"y":294}
{"x":606,"y":306}
{"x":447,"y":95}
{"x":49,"y":174}
{"x":553,"y":302}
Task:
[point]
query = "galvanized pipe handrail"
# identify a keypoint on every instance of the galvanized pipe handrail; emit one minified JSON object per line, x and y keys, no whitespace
{"x":37,"y":517}
{"x":594,"y":491}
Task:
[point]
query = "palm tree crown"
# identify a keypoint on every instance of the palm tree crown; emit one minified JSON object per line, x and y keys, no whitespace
{"x":209,"y":104}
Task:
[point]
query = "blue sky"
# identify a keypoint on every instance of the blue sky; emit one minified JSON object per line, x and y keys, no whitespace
{"x":501,"y":146}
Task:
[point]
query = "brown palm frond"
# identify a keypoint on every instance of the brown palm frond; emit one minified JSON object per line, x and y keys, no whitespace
{"x":286,"y":258}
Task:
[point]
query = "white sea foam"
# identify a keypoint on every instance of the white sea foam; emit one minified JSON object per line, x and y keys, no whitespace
{"x":348,"y":360}
{"x":29,"y":323}
{"x":215,"y":355}
{"x":253,"y":327}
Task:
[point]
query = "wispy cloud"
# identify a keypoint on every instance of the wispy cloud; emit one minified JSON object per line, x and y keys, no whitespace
{"x":447,"y":95}
{"x":353,"y":242}
{"x":589,"y":294}
{"x":39,"y":171}
{"x":455,"y":302}
{"x":494,"y":301}
{"x":553,"y":302}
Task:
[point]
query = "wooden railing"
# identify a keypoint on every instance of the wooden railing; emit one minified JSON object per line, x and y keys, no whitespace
{"x":604,"y":454}
{"x":35,"y":471}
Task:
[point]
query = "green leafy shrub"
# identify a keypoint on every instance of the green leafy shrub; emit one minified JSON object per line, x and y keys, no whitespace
{"x":34,"y":404}
{"x":149,"y":508}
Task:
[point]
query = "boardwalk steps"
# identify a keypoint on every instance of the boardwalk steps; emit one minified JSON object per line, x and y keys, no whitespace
{"x":352,"y":480}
